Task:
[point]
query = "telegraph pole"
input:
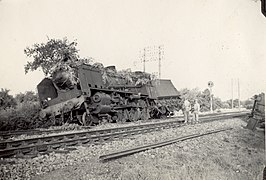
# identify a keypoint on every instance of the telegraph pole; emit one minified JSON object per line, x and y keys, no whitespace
{"x":159,"y":62}
{"x":232,"y":84}
{"x":161,"y":53}
{"x":144,"y":54}
{"x":152,"y":53}
{"x":210,"y":84}
{"x":211,"y":99}
{"x":238,"y":88}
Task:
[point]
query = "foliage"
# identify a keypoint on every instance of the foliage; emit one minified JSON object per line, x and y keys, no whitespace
{"x":28,"y":96}
{"x":191,"y":95}
{"x":202,"y":97}
{"x":54,"y":53}
{"x":226,"y":105}
{"x":6,"y":100}
{"x":235,"y":103}
{"x":248,"y":103}
{"x":217,"y":103}
{"x":24,"y":116}
{"x":204,"y":100}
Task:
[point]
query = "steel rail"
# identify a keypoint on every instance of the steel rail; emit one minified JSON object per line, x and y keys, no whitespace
{"x":49,"y":143}
{"x":10,"y":143}
{"x":7,"y":134}
{"x":62,"y":143}
{"x":15,"y":143}
{"x":127,"y":152}
{"x":53,"y":142}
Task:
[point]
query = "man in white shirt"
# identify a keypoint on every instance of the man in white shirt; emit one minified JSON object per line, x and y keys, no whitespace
{"x":196,"y":112}
{"x":186,"y":110}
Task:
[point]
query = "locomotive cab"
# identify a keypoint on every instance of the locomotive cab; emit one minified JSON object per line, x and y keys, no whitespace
{"x":46,"y":91}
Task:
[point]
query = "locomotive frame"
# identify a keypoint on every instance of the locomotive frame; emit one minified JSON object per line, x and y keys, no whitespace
{"x":91,"y":101}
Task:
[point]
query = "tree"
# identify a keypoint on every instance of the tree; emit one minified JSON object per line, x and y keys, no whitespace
{"x":217,"y":103}
{"x":204,"y":100}
{"x":248,"y":103}
{"x":28,"y":96}
{"x":226,"y":105}
{"x":6,"y":100}
{"x":235,"y":103}
{"x":48,"y":55}
{"x":191,"y":95}
{"x":203,"y":97}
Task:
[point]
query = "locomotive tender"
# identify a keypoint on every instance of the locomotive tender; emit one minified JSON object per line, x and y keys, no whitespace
{"x":101,"y":93}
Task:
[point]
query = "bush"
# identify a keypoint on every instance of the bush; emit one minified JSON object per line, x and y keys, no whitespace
{"x":6,"y":100}
{"x":24,"y":116}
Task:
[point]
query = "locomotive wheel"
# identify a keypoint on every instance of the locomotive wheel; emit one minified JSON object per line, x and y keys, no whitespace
{"x":126,"y":116}
{"x":145,"y":114}
{"x":163,"y":110}
{"x":133,"y":115}
{"x":120,"y":116}
{"x":87,"y":119}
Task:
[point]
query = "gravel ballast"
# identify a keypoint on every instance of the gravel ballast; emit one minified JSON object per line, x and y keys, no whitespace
{"x":234,"y":154}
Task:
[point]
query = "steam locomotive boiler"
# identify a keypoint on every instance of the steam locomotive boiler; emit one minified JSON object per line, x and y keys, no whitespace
{"x":99,"y":94}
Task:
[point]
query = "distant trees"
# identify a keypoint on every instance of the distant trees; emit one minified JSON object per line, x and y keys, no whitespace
{"x":202,"y":96}
{"x":204,"y":99}
{"x":28,"y":96}
{"x":19,"y":112}
{"x":6,"y":100}
{"x":248,"y":103}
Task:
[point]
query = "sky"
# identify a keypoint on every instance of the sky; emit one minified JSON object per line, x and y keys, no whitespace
{"x":203,"y":40}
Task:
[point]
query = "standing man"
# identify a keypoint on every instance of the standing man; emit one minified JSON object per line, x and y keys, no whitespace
{"x":196,"y":112}
{"x":186,"y":110}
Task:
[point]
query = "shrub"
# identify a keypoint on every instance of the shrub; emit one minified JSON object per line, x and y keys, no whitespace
{"x":6,"y":100}
{"x":24,"y":116}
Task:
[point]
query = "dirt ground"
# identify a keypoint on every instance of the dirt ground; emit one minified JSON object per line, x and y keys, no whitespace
{"x":234,"y":154}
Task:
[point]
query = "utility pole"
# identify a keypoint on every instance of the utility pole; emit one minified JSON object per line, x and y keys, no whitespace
{"x":211,"y":100}
{"x":210,"y":85}
{"x":161,"y":53}
{"x":159,"y":62}
{"x":238,"y":88}
{"x":232,"y":88}
{"x":152,"y":53}
{"x":144,"y":56}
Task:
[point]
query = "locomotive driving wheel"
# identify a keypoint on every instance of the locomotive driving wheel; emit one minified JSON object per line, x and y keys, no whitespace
{"x":120,"y":116}
{"x":87,"y":119}
{"x":133,"y":115}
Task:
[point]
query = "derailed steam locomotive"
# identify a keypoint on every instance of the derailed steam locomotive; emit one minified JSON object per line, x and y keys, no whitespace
{"x":92,"y":94}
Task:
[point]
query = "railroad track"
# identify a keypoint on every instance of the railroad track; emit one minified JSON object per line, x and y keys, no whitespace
{"x":9,"y":134}
{"x":32,"y":146}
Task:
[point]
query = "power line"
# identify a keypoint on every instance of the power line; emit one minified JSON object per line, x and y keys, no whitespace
{"x":152,"y":53}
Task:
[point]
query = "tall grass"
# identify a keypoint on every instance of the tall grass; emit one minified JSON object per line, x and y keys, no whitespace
{"x":24,"y":116}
